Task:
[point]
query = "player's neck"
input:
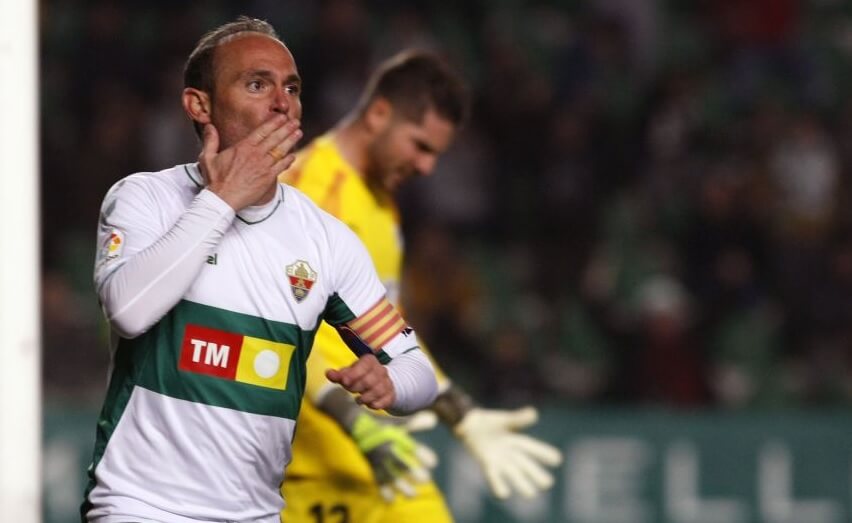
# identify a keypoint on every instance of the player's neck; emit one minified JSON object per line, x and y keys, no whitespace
{"x":267,"y":197}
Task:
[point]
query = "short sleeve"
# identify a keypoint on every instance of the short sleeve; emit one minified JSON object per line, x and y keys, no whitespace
{"x":356,"y":286}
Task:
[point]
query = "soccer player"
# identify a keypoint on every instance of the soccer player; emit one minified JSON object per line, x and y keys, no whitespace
{"x":214,"y":278}
{"x":345,"y":459}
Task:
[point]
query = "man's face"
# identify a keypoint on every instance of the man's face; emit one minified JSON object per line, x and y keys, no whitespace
{"x":406,"y":148}
{"x":255,"y":77}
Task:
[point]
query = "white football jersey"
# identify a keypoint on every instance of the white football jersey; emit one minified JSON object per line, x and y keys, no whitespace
{"x":199,"y":415}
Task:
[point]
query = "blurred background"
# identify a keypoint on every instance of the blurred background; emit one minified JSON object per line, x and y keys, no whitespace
{"x":642,"y":230}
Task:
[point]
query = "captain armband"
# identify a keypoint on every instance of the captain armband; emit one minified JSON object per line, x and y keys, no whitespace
{"x":381,"y":330}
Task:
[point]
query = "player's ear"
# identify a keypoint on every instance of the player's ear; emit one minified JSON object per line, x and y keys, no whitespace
{"x":378,"y":115}
{"x":196,"y":103}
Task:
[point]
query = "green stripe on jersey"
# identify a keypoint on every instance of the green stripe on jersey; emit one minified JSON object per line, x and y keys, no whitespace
{"x":153,"y":359}
{"x":337,"y":312}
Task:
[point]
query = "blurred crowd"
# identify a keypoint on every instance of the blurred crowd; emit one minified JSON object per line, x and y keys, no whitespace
{"x":647,"y":206}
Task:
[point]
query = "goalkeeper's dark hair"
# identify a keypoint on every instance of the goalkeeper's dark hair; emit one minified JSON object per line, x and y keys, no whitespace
{"x":199,"y":69}
{"x":415,"y":81}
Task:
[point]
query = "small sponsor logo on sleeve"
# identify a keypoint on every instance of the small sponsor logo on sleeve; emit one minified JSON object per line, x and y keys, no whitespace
{"x":112,"y":246}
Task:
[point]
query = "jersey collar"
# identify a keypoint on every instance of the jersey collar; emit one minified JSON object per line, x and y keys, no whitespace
{"x":194,"y":174}
{"x":249,"y":215}
{"x":258,"y":213}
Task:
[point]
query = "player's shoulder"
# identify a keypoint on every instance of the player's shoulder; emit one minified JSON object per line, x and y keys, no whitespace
{"x":300,"y":203}
{"x":313,"y":216}
{"x":157,"y":183}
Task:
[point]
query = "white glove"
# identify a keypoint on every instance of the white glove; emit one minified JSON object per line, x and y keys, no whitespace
{"x":509,"y":460}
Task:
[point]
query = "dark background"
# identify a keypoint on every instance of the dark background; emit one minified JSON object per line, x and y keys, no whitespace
{"x":647,"y":208}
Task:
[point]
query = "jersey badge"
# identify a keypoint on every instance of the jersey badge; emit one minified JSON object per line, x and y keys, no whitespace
{"x":302,"y":278}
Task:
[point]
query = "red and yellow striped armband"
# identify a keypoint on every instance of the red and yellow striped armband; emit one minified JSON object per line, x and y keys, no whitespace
{"x":382,"y":330}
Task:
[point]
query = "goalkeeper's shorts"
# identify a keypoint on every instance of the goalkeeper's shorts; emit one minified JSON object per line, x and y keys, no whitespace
{"x":315,"y":501}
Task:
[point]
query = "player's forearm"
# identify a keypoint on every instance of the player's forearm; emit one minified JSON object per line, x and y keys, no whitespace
{"x":443,"y":380}
{"x":414,"y":382}
{"x":149,"y":283}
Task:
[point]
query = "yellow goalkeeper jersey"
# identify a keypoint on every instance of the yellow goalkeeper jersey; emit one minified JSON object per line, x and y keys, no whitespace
{"x":321,"y":448}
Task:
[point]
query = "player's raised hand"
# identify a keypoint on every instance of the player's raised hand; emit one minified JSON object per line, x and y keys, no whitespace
{"x":246,"y":172}
{"x":369,"y":379}
{"x":511,"y":461}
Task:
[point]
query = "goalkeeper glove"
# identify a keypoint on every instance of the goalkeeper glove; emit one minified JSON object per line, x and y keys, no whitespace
{"x":397,"y":460}
{"x":511,"y":461}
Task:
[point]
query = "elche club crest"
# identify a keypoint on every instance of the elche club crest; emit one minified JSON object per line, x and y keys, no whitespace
{"x":302,"y":278}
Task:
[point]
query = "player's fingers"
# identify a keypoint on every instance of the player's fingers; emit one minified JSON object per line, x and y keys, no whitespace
{"x":405,"y":487}
{"x":426,"y":456}
{"x":423,"y":420}
{"x":539,"y":450}
{"x":368,"y":374}
{"x":345,"y":378}
{"x":378,"y":397}
{"x":364,"y":366}
{"x":349,"y":376}
{"x":334,"y":376}
{"x":283,"y":164}
{"x":283,"y":139}
{"x":420,"y":474}
{"x":266,"y":129}
{"x":387,"y":492}
{"x":209,"y":144}
{"x":496,"y":483}
{"x":374,"y":399}
{"x":513,"y":476}
{"x":404,"y":447}
{"x":520,"y":418}
{"x":370,"y":378}
{"x":378,"y":404}
{"x":401,"y":460}
{"x":522,"y":485}
{"x":536,"y":477}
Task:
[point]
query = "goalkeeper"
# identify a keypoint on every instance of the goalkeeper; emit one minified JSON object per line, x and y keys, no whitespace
{"x":348,"y":464}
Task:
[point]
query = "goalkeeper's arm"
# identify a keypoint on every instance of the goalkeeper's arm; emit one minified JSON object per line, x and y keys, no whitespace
{"x":397,"y":460}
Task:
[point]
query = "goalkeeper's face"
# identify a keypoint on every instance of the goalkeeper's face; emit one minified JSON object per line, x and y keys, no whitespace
{"x":407,"y":148}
